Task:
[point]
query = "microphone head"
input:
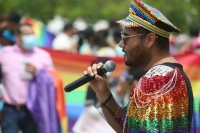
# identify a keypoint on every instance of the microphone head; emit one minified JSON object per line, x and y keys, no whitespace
{"x":109,"y":66}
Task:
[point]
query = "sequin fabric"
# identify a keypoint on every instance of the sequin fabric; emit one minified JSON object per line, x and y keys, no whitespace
{"x":154,"y":111}
{"x":141,"y":14}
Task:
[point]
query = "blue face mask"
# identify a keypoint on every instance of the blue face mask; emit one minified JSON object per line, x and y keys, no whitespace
{"x":29,"y":41}
{"x":9,"y":35}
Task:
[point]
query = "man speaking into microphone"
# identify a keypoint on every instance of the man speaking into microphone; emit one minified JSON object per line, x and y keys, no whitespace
{"x":162,"y":101}
{"x":109,"y":66}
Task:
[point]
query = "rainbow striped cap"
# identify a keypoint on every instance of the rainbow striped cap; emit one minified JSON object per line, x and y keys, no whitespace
{"x":143,"y":15}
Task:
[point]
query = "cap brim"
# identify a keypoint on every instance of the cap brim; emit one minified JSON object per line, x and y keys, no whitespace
{"x":127,"y":23}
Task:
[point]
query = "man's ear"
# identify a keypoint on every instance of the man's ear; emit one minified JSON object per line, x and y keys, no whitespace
{"x":150,"y":39}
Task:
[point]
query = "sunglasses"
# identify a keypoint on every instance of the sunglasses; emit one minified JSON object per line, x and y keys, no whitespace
{"x":124,"y":37}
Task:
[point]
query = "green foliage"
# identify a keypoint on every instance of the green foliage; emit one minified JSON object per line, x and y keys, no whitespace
{"x":182,"y":13}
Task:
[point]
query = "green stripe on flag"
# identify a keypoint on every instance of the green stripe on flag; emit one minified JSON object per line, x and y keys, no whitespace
{"x":75,"y":97}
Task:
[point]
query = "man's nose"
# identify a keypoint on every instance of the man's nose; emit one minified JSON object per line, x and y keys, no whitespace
{"x":121,"y":43}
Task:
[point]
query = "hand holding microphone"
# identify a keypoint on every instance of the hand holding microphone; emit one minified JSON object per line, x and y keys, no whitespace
{"x":96,"y":71}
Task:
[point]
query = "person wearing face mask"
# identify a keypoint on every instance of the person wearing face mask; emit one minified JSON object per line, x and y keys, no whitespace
{"x":19,"y":65}
{"x":7,"y":35}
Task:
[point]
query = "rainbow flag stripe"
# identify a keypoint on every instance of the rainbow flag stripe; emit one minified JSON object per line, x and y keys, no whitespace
{"x":44,"y":37}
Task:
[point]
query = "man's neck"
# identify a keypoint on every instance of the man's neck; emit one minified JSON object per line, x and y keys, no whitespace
{"x":22,"y":49}
{"x":160,"y":59}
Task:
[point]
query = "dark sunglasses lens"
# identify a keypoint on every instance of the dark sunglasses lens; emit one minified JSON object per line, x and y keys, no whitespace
{"x":124,"y":41}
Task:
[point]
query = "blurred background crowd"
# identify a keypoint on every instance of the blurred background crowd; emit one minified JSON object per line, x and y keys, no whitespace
{"x":87,"y":15}
{"x":100,"y":38}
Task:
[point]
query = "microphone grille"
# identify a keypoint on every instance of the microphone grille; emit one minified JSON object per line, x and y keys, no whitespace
{"x":110,"y":66}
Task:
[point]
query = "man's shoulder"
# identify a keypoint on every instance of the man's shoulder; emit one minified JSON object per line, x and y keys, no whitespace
{"x":159,"y":70}
{"x":7,"y":49}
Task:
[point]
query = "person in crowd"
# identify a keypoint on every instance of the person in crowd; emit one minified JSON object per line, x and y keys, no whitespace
{"x":7,"y":36}
{"x":113,"y":26}
{"x":3,"y":25}
{"x":117,"y":38}
{"x":194,"y":32}
{"x":104,"y":49}
{"x":19,"y":65}
{"x":196,"y":44}
{"x":65,"y":41}
{"x":162,"y":100}
{"x":184,"y":43}
{"x":127,"y":82}
{"x":173,"y":44}
{"x":88,"y":47}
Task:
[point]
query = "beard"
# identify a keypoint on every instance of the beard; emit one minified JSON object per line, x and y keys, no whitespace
{"x":138,"y":56}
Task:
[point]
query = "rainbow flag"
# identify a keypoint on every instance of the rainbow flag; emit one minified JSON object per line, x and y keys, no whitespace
{"x":44,"y":37}
{"x":71,"y":67}
{"x":60,"y":102}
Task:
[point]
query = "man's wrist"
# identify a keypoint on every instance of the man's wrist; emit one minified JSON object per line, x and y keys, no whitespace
{"x":106,"y":101}
{"x":103,"y":96}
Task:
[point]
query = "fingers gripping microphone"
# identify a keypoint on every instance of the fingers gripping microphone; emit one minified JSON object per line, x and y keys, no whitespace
{"x":109,"y":66}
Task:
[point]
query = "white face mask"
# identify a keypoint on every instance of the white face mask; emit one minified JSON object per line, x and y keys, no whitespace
{"x":29,"y":41}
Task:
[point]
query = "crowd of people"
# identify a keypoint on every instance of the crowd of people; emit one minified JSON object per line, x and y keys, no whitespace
{"x":89,"y":42}
{"x":105,"y":42}
{"x":100,"y":42}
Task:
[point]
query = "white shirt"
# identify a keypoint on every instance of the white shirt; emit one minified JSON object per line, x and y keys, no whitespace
{"x":63,"y":42}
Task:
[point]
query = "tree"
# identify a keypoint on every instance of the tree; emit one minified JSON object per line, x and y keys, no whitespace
{"x":182,"y":13}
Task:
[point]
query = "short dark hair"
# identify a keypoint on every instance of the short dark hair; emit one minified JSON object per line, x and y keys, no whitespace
{"x":113,"y":24}
{"x":194,"y":31}
{"x":89,"y":32}
{"x":162,"y":43}
{"x":117,"y":35}
{"x":68,"y":26}
{"x":3,"y":17}
{"x":14,"y":17}
{"x":18,"y":28}
{"x":100,"y":38}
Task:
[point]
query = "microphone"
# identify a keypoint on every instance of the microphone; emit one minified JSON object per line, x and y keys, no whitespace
{"x":109,"y":66}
